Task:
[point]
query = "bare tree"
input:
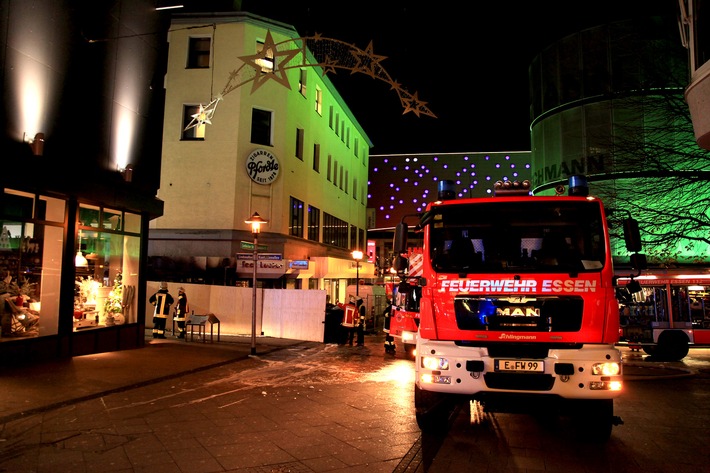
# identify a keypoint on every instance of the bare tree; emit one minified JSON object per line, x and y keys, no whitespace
{"x":660,"y":174}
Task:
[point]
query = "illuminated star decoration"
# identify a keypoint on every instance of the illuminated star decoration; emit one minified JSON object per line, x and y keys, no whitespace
{"x":204,"y":114}
{"x":330,"y":55}
{"x":269,"y":53}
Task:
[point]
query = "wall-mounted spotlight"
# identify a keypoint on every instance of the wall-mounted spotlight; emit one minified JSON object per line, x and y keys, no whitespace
{"x":127,"y":173}
{"x":36,"y":143}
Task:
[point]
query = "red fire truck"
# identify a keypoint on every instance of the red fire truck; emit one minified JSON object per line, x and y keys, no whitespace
{"x":404,"y":318}
{"x":518,"y":306}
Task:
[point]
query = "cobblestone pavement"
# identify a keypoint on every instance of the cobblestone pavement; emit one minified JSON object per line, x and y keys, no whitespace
{"x":311,"y":407}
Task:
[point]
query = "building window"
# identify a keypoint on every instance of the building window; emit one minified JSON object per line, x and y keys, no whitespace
{"x":198,"y":56}
{"x":355,"y":188}
{"x":329,"y":171}
{"x":267,"y":63}
{"x":261,"y":127}
{"x":319,"y":101}
{"x":337,"y":124}
{"x":335,"y":231}
{"x":347,"y":173}
{"x":316,"y":157}
{"x":330,"y":117}
{"x":353,"y":238}
{"x":340,"y":178}
{"x":357,"y":146}
{"x":302,"y":82}
{"x":299,"y":143}
{"x":196,"y":132}
{"x":295,"y":226}
{"x":313,"y":223}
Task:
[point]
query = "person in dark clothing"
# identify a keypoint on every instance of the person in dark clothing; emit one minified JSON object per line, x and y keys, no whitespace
{"x":181,"y":310}
{"x":389,"y":339}
{"x":361,"y":323}
{"x":161,"y":300}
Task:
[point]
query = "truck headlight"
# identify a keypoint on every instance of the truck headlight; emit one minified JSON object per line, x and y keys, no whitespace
{"x":606,"y":369}
{"x":435,"y":363}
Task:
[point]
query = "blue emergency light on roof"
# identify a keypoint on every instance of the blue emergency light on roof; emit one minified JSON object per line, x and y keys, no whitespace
{"x":578,"y":186}
{"x":447,"y":191}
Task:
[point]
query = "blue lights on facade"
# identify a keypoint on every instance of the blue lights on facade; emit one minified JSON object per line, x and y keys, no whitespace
{"x":403,"y":184}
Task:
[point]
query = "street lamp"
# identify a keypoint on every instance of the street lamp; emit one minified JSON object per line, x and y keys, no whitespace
{"x":357,"y":256}
{"x":255,"y":221}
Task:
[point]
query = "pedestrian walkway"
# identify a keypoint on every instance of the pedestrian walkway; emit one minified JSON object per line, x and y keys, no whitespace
{"x":38,"y":386}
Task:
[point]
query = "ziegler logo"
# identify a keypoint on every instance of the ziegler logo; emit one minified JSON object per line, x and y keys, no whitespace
{"x":518,"y":311}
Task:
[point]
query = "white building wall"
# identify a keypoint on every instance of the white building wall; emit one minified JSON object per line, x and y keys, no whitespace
{"x":204,"y":184}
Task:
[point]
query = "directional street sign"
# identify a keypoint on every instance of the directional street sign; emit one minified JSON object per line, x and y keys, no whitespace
{"x":247,"y":245}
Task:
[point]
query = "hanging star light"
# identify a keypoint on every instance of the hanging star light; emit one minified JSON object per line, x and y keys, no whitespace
{"x":330,"y":55}
{"x":204,"y":114}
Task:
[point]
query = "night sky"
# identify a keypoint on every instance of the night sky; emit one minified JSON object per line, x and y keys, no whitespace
{"x":469,"y":65}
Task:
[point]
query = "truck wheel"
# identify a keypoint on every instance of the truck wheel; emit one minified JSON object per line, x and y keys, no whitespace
{"x":673,"y":345}
{"x":432,"y":411}
{"x":594,"y":419}
{"x":651,"y":351}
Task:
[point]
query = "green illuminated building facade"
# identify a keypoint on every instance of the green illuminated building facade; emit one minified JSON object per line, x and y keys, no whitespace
{"x":608,"y":102}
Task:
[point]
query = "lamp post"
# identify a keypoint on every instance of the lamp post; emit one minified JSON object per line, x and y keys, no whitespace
{"x":255,"y":221}
{"x":357,"y":256}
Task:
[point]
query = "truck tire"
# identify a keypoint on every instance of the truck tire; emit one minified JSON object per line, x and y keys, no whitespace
{"x":672,"y":345}
{"x":432,"y":411}
{"x":650,"y":350}
{"x":594,"y":419}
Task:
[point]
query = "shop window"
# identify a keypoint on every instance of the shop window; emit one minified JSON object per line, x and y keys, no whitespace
{"x":31,"y":249}
{"x":198,"y":56}
{"x":106,"y":265}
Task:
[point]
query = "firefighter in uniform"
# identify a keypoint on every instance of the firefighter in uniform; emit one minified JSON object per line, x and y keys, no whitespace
{"x":361,"y":323}
{"x":161,"y":300}
{"x":389,"y":339}
{"x":181,"y":310}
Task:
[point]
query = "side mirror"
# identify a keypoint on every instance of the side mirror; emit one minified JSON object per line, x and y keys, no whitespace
{"x":400,"y":263}
{"x":404,"y":288}
{"x":633,"y":286}
{"x":638,"y":261}
{"x":399,"y":244}
{"x":632,"y":235}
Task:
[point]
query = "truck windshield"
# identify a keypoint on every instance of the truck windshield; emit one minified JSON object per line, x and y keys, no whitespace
{"x":522,"y":237}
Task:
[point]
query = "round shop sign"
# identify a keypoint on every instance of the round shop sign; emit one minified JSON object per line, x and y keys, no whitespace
{"x":262,"y":166}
